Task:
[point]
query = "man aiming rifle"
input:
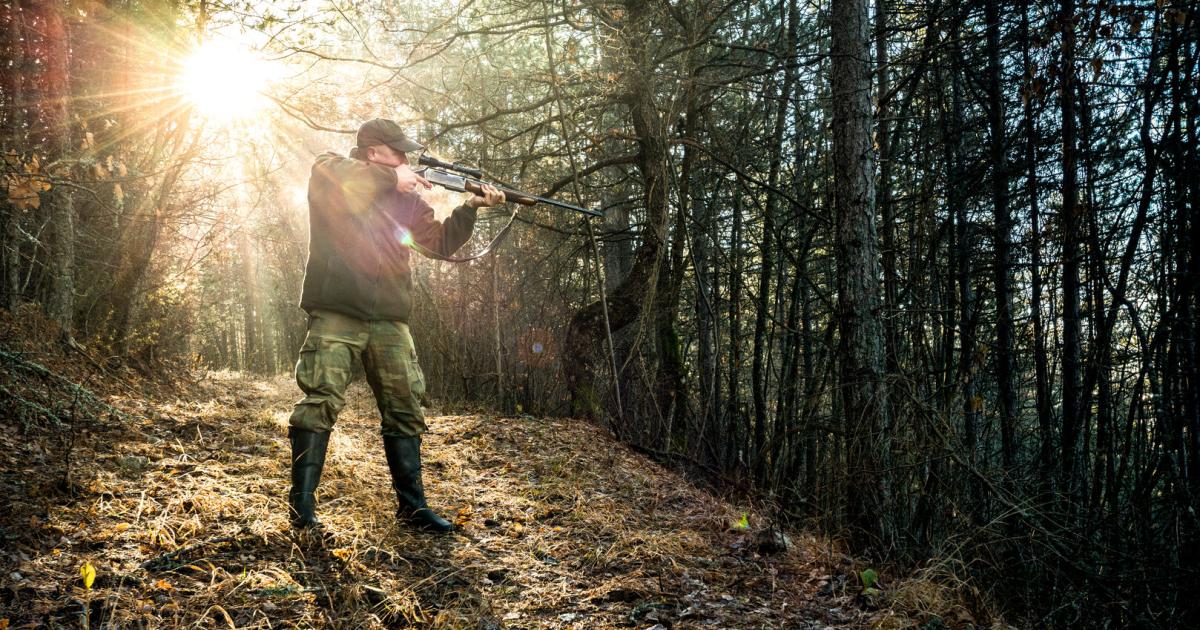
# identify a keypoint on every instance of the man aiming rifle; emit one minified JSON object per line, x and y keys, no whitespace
{"x":364,"y":212}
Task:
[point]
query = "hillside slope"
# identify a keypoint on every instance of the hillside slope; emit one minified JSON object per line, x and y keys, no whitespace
{"x":179,"y":507}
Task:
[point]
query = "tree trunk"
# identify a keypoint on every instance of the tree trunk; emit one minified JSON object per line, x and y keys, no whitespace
{"x":14,"y":120}
{"x":639,"y":287}
{"x":956,"y":200}
{"x":733,"y":409}
{"x":250,"y":308}
{"x":136,"y":249}
{"x":1002,"y":271}
{"x":759,"y":376}
{"x":669,"y":383}
{"x":1071,"y":215}
{"x":710,"y":434}
{"x":862,"y":390}
{"x":883,"y":138}
{"x":498,"y":349}
{"x":1040,"y":358}
{"x":55,"y":92}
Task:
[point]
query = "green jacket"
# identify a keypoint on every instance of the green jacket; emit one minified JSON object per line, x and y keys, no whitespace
{"x":358,"y":222}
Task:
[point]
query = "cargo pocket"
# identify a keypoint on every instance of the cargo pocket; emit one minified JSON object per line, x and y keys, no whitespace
{"x":323,"y":370}
{"x":322,"y":374}
{"x":416,"y":379}
{"x":306,"y":365}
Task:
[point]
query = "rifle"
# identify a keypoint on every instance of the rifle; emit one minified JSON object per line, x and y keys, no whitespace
{"x":463,"y":178}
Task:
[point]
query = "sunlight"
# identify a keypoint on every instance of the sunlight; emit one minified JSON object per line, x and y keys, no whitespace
{"x":225,"y":81}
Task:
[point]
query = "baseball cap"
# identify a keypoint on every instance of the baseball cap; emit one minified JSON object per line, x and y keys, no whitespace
{"x":384,"y":131}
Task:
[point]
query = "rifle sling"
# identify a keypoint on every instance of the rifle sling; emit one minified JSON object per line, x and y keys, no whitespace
{"x":496,"y":240}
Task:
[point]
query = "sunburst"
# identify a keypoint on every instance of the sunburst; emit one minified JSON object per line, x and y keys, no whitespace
{"x":225,"y":81}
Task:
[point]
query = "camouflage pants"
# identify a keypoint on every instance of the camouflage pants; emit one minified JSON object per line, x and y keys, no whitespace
{"x":333,"y":343}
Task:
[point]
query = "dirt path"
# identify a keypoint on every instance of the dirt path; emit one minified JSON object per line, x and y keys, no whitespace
{"x":180,"y":509}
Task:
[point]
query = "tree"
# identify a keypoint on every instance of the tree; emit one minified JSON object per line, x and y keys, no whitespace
{"x":860,"y":343}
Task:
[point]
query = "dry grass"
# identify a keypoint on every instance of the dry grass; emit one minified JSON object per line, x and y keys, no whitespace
{"x":178,"y":502}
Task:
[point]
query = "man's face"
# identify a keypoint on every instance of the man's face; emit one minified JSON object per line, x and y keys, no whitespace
{"x":384,"y":155}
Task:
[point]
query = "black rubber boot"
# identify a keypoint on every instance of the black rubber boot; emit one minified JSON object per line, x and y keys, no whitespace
{"x":404,"y":461}
{"x":308,"y":458}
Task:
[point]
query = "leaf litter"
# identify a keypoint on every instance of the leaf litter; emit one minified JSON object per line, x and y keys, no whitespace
{"x":176,"y":517}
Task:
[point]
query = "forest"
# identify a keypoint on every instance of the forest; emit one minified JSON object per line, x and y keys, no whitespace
{"x":920,"y":275}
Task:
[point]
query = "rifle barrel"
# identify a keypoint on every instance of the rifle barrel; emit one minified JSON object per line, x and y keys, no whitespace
{"x":519,"y":197}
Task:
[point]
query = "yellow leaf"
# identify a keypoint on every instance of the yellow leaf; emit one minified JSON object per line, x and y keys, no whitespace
{"x":88,"y":573}
{"x":4,"y":624}
{"x":744,"y":523}
{"x":120,"y":527}
{"x":163,"y":585}
{"x":342,"y":553}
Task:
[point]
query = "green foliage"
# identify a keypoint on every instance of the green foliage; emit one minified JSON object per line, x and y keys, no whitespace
{"x":869,"y":578}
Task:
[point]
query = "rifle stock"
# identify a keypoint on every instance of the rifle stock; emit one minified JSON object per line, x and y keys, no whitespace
{"x":514,"y":196}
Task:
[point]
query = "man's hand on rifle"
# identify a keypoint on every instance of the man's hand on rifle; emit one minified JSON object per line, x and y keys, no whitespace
{"x":492,"y":196}
{"x":407,"y":181}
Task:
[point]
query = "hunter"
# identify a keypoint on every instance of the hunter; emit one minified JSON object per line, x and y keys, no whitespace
{"x":358,"y":294}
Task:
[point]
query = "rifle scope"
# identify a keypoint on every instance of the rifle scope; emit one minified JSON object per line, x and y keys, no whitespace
{"x":428,"y":160}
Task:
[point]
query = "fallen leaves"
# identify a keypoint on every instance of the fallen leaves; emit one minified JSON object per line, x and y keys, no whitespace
{"x":191,"y":529}
{"x":88,"y":573}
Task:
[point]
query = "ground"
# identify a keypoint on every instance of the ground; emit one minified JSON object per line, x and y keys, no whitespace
{"x":177,"y":502}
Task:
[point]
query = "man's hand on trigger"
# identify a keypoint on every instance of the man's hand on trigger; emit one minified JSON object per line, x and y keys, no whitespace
{"x":407,"y":181}
{"x":492,"y":196}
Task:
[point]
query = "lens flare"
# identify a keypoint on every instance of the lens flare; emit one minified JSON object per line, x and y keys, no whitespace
{"x":536,"y":348}
{"x":403,"y":236}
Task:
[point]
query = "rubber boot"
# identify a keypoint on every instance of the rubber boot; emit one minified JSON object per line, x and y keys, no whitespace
{"x":308,"y":458}
{"x":404,"y":462}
